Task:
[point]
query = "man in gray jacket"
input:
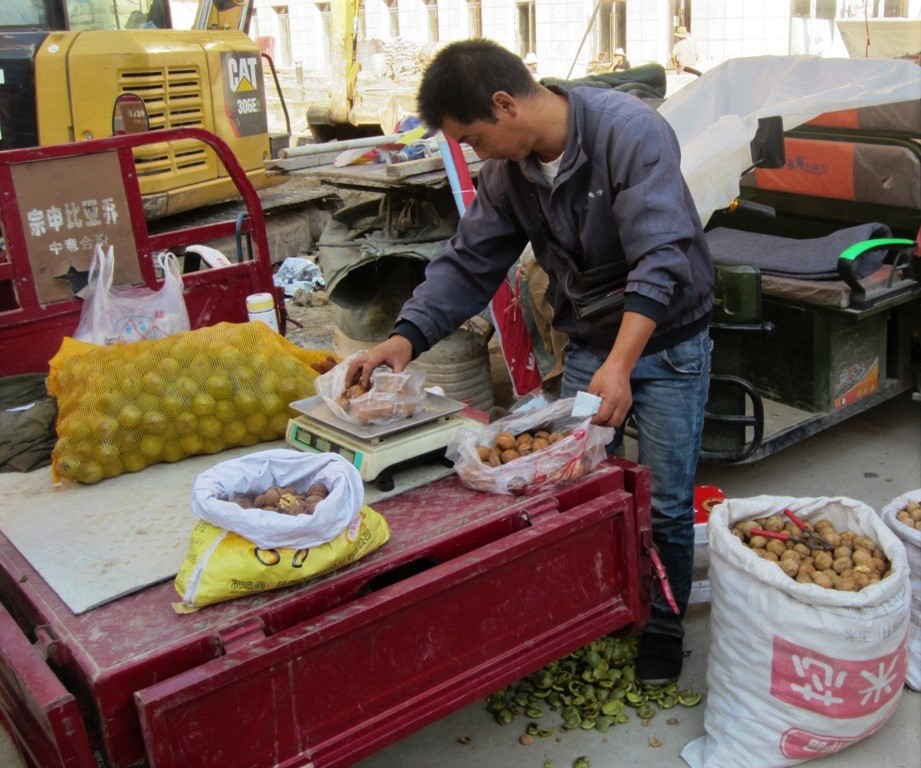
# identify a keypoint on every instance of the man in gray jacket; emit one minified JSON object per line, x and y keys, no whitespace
{"x":591,"y":178}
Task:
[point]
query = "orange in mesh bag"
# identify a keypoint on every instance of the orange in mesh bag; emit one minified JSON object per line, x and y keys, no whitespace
{"x":122,"y":408}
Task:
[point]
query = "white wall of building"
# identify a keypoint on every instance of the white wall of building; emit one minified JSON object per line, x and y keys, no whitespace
{"x":722,"y":29}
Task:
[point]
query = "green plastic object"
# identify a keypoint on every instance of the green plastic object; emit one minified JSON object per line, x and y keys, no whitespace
{"x":858,"y":249}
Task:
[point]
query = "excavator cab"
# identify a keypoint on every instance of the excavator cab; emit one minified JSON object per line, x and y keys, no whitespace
{"x":65,"y":65}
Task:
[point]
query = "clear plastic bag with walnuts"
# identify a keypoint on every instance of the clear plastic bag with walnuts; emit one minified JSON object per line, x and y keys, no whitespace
{"x":392,"y":396}
{"x":795,"y":670}
{"x":122,"y":408}
{"x":551,"y":449}
{"x":903,"y":516}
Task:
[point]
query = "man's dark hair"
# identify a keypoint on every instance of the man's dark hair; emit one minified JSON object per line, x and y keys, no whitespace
{"x":463,"y":76}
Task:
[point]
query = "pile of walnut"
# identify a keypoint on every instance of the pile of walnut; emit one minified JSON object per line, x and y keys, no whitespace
{"x":509,"y":447}
{"x":349,"y":394}
{"x":286,"y":500}
{"x":366,"y":413}
{"x":855,"y":562}
{"x":911,"y":515}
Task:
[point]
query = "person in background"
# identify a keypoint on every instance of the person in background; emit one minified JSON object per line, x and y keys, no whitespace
{"x":684,"y":52}
{"x":591,"y":177}
{"x":530,"y":61}
{"x":620,"y":60}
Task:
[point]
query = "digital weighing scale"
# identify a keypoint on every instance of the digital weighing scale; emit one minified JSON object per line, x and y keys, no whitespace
{"x":374,"y":449}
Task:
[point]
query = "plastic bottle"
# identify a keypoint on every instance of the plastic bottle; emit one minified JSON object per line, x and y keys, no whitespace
{"x":261,"y":307}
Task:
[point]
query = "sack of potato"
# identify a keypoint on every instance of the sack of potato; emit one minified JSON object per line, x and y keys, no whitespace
{"x":122,"y":408}
{"x":392,"y":396}
{"x":903,"y":516}
{"x":529,"y":451}
{"x":800,"y":669}
{"x":272,"y":519}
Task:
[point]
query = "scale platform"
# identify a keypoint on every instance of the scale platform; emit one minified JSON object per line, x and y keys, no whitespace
{"x":375,"y":449}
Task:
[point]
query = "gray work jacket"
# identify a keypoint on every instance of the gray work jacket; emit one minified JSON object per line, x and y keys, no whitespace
{"x":619,"y":195}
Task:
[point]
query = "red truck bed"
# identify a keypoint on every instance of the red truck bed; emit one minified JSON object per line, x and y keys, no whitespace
{"x":472,"y":592}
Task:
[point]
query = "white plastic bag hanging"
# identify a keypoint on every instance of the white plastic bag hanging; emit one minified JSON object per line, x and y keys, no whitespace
{"x":134,"y":313}
{"x":257,"y":472}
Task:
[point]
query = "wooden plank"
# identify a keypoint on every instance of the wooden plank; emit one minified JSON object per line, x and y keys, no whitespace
{"x":414,"y":167}
{"x":301,"y":162}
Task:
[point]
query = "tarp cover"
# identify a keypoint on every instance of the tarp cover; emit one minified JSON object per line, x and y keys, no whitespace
{"x":716,"y":116}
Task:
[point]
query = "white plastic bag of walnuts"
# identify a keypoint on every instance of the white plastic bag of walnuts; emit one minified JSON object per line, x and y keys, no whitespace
{"x":796,"y":671}
{"x":564,"y":461}
{"x":912,"y":540}
{"x":215,"y":488}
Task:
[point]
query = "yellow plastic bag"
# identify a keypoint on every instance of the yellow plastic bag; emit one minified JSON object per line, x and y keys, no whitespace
{"x":220,"y":565}
{"x":122,"y":408}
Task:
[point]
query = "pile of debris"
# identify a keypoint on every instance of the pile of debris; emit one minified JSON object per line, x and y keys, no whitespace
{"x":405,"y":59}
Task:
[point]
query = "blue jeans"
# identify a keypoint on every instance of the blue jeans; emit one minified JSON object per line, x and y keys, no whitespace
{"x":669,"y":394}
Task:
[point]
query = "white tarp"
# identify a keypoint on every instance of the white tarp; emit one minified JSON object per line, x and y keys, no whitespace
{"x":716,"y":116}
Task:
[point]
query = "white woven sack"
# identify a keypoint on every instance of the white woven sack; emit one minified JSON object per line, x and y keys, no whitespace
{"x":796,"y":671}
{"x":257,"y":472}
{"x":912,"y":541}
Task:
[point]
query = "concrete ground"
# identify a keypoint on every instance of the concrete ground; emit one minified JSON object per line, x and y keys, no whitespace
{"x":873,"y":457}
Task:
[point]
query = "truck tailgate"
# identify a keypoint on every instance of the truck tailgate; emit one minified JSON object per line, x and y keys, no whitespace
{"x":472,"y":592}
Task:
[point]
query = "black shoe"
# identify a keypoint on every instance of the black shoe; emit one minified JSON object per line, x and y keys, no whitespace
{"x":659,"y":659}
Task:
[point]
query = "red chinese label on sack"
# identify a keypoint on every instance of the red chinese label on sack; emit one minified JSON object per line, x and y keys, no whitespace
{"x":836,"y":688}
{"x":802,"y":745}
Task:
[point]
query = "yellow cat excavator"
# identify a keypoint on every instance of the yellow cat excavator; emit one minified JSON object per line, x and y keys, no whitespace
{"x":73,"y":70}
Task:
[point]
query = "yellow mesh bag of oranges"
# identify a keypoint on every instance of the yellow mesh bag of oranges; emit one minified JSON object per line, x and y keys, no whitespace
{"x":122,"y":408}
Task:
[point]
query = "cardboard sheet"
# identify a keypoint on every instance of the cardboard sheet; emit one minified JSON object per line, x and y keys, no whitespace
{"x":95,"y":543}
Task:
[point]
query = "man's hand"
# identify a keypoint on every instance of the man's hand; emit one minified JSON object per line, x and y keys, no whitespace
{"x":611,"y":381}
{"x":396,"y":353}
